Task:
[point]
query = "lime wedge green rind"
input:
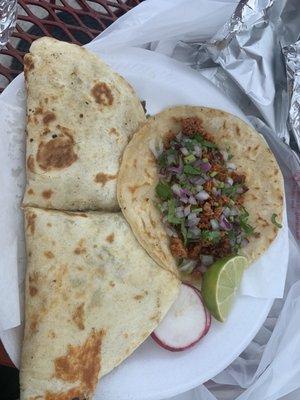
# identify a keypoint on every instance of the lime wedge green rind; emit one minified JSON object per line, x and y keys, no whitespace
{"x":220,"y":284}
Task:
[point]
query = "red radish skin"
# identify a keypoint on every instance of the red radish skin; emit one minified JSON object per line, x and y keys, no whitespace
{"x":186,"y":322}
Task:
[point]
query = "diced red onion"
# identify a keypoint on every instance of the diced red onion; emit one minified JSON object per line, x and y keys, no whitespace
{"x":244,"y":242}
{"x":224,"y":154}
{"x":229,"y":181}
{"x":205,"y":166}
{"x":214,"y":224}
{"x":179,"y":212}
{"x":192,"y":201}
{"x":202,"y":269}
{"x":216,"y":192}
{"x":188,"y":266}
{"x":207,"y":260}
{"x":195,"y":231}
{"x":179,"y":136}
{"x":184,"y":151}
{"x":227,"y":212}
{"x":199,"y":181}
{"x":233,"y":212}
{"x":176,"y":170}
{"x":186,"y":210}
{"x":240,"y":190}
{"x":231,"y":166}
{"x":193,"y":220}
{"x":224,"y":223}
{"x":202,"y":195}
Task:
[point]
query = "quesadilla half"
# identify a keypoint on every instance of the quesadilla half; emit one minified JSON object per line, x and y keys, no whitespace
{"x":198,"y":184}
{"x":80,"y":117}
{"x":92,"y":296}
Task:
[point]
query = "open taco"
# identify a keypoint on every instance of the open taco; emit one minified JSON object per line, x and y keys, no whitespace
{"x":197,"y":184}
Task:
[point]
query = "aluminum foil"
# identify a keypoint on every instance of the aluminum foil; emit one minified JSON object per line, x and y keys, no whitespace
{"x":246,"y":54}
{"x":292,"y":60}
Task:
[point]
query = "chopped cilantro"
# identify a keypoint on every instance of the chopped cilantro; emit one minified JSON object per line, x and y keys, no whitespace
{"x":243,"y":221}
{"x":163,"y":191}
{"x":273,"y":220}
{"x":203,"y":142}
{"x":189,"y":159}
{"x":171,"y":213}
{"x":231,"y":190}
{"x":190,"y":170}
{"x":211,"y":236}
{"x":184,"y":233}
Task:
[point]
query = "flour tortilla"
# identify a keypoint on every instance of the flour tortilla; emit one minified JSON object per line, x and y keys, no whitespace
{"x":80,"y":117}
{"x":92,"y":296}
{"x":138,"y":178}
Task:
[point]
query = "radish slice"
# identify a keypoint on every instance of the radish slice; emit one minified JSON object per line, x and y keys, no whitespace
{"x":186,"y":322}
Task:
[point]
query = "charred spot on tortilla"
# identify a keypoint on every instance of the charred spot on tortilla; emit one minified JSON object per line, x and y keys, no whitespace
{"x":81,"y":363}
{"x":30,"y":164}
{"x":30,"y":191}
{"x":80,"y":249}
{"x":49,"y":117}
{"x":33,"y":325}
{"x":48,"y":254}
{"x":47,"y":194}
{"x":104,"y":178}
{"x":30,"y":218}
{"x":110,"y":238}
{"x":102,"y":94}
{"x":72,"y":394}
{"x":57,"y":153}
{"x":78,"y":316}
{"x":114,"y":132}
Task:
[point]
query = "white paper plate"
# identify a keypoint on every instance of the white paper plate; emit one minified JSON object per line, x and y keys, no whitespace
{"x":151,"y":372}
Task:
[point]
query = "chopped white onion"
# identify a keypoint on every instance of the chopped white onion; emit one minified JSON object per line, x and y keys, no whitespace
{"x":184,"y":151}
{"x":231,"y":165}
{"x":170,"y":232}
{"x":202,"y":195}
{"x":186,"y":210}
{"x":176,"y":189}
{"x":224,"y":154}
{"x":214,"y":224}
{"x":207,"y":260}
{"x":179,"y":211}
{"x":229,"y":181}
{"x":188,"y":266}
{"x":195,"y":231}
{"x":192,"y":201}
{"x":198,"y":150}
{"x":227,"y":212}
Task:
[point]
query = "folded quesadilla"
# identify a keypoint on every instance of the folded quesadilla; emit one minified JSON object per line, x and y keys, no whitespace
{"x":208,"y":187}
{"x":92,"y":296}
{"x":80,"y":117}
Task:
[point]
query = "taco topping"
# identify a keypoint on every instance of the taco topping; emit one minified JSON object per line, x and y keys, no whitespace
{"x":201,"y":196}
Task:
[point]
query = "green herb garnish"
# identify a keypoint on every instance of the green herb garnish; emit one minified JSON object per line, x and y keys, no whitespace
{"x":204,"y":142}
{"x":189,"y":159}
{"x":243,"y":221}
{"x":190,"y":170}
{"x":273,"y":220}
{"x":163,"y":191}
{"x":211,"y":236}
{"x":172,"y":219}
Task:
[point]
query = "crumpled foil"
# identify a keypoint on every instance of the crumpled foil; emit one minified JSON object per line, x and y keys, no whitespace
{"x":247,"y":56}
{"x":292,"y":60}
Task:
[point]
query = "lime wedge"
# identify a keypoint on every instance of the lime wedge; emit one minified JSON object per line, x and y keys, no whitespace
{"x":220,"y":284}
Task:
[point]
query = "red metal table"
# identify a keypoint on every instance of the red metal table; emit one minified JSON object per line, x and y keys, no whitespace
{"x":76,"y":21}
